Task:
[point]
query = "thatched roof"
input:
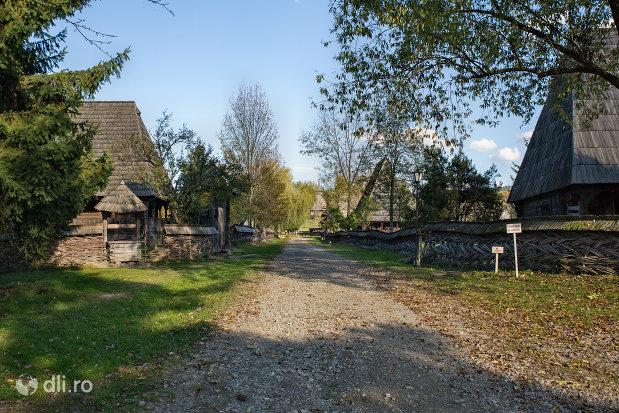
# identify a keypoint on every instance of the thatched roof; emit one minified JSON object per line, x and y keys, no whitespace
{"x":562,"y":154}
{"x":117,"y":121}
{"x":121,"y":200}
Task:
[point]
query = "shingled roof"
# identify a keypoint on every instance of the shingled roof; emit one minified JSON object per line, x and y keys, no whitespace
{"x":320,"y":204}
{"x":117,"y":121}
{"x":121,"y":200}
{"x":562,"y":154}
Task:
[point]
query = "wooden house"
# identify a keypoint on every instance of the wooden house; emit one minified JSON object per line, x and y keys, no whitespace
{"x":320,"y":205}
{"x":570,"y":167}
{"x":116,"y":123}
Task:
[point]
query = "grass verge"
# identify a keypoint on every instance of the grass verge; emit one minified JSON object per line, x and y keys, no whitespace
{"x":563,"y":328}
{"x":115,"y":327}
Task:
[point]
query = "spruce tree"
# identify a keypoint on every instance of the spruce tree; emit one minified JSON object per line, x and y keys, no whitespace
{"x":47,"y":172}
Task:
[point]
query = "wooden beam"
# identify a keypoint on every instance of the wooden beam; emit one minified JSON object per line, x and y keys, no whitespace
{"x":105,"y":228}
{"x":122,"y":226}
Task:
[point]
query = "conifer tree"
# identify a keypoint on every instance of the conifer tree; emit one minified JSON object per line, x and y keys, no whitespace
{"x":47,"y":173}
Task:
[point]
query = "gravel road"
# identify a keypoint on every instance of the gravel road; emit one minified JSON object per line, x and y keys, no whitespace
{"x":319,"y":336}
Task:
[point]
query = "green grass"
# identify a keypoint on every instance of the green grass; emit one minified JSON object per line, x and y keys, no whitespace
{"x":114,"y":327}
{"x":542,"y":299}
{"x":310,"y":223}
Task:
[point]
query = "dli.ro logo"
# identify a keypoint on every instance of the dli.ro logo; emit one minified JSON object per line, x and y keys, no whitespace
{"x":26,"y":387}
{"x":57,"y":384}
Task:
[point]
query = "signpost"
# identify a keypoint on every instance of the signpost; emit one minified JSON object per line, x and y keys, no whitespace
{"x":497,"y":251}
{"x":515,"y":229}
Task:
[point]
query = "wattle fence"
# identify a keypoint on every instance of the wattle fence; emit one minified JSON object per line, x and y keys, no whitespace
{"x":579,"y":245}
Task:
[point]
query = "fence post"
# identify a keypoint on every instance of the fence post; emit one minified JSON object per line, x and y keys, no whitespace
{"x":418,"y":258}
{"x":516,"y":254}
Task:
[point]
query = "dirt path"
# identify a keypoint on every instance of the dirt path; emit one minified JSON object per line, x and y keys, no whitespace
{"x":321,"y":337}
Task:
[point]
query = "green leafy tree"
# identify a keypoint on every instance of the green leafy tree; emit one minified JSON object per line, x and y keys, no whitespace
{"x":454,"y":190}
{"x":203,"y":181}
{"x":272,"y":195}
{"x":46,"y":172}
{"x":434,"y":194}
{"x":159,"y":160}
{"x":182,"y":169}
{"x":436,"y":60}
{"x":333,"y":219}
{"x":203,"y":178}
{"x":303,"y":196}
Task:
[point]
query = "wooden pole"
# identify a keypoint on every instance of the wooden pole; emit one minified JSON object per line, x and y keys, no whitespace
{"x":496,"y":263}
{"x":516,"y":254}
{"x":145,"y":228}
{"x":418,"y":257}
{"x":105,"y":227}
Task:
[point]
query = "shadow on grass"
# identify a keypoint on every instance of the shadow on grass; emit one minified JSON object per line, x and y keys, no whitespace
{"x":113,"y":327}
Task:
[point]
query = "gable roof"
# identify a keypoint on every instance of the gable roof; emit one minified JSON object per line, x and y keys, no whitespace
{"x":562,"y":154}
{"x":117,"y":120}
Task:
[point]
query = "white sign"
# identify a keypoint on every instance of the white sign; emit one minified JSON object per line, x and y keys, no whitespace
{"x":514,"y":229}
{"x":497,"y":250}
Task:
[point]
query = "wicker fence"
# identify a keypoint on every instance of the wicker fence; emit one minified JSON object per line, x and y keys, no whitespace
{"x":572,"y":244}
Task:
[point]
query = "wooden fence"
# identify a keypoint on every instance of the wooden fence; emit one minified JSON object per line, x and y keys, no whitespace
{"x":580,"y":245}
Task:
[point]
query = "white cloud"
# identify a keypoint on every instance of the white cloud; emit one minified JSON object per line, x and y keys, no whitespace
{"x":430,"y":137}
{"x":525,"y":136}
{"x":506,"y":155}
{"x":483,"y":145}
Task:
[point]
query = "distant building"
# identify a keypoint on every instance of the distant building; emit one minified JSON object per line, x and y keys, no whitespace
{"x":320,"y":206}
{"x":569,"y":168}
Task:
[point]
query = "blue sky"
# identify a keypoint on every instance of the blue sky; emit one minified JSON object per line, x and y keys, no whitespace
{"x":193,"y":62}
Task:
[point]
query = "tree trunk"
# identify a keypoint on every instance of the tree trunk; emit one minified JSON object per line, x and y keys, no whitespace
{"x":391,"y":196}
{"x":614,"y":8}
{"x":228,"y":242}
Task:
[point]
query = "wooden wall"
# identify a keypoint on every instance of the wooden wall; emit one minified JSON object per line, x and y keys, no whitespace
{"x":592,"y":199}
